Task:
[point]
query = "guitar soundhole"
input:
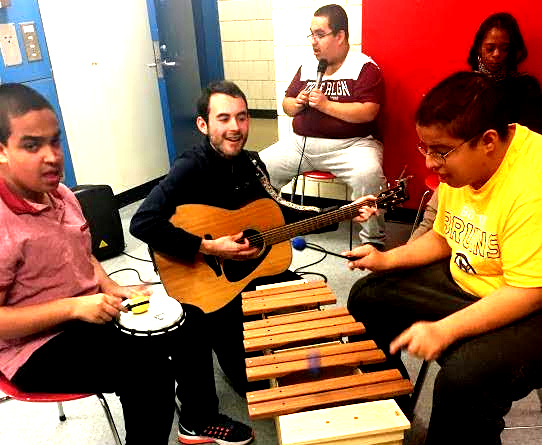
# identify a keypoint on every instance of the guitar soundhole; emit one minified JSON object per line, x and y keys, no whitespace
{"x":237,"y":270}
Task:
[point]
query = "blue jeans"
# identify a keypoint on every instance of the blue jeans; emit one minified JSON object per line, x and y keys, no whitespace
{"x":480,"y":376}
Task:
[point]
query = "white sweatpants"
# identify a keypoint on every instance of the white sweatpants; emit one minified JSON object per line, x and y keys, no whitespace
{"x":355,"y":161}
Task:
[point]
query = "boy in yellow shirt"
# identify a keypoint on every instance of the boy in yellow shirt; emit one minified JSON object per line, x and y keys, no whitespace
{"x":467,"y":293}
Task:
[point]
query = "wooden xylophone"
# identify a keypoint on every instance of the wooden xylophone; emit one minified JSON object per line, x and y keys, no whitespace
{"x":305,"y":354}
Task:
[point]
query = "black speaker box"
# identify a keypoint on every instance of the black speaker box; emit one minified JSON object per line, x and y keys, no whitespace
{"x":102,"y":214}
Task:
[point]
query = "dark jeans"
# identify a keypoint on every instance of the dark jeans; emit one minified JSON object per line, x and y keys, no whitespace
{"x":227,"y":339}
{"x":480,"y":377}
{"x":141,"y":371}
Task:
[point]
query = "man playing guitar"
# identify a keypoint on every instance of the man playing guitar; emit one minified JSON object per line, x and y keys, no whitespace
{"x":221,"y":175}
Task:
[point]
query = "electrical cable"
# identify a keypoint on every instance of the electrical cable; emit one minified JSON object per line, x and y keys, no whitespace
{"x":302,"y":274}
{"x":138,"y":276}
{"x":294,"y":185}
{"x":300,"y":271}
{"x":136,"y":258}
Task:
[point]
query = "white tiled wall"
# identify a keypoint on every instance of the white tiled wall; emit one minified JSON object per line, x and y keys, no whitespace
{"x":246,"y":30}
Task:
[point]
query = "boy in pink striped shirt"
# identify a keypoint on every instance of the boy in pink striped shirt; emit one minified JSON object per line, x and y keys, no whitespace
{"x":57,"y":302}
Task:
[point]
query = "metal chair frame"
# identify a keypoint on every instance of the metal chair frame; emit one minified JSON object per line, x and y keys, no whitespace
{"x":319,"y":175}
{"x":12,"y":392}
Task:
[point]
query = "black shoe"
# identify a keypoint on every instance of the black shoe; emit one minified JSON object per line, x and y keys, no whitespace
{"x":221,"y":430}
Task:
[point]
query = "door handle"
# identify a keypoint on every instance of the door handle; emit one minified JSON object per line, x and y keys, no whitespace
{"x":163,"y":63}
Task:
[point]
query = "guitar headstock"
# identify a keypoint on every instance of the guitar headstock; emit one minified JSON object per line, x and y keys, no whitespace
{"x":394,"y":195}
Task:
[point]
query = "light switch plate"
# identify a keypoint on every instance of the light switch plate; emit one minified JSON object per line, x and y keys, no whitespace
{"x":9,"y":45}
{"x":30,"y":41}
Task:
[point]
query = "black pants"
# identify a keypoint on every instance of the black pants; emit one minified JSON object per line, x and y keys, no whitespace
{"x":227,"y":339}
{"x":141,"y":371}
{"x":480,"y":377}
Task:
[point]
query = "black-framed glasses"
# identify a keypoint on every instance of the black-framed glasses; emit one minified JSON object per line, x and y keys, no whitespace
{"x":437,"y":155}
{"x":318,"y":36}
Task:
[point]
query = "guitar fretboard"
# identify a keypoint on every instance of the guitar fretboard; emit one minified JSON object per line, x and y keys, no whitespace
{"x":280,"y":234}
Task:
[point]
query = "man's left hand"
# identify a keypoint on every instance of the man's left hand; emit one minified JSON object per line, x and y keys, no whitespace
{"x":367,"y":211}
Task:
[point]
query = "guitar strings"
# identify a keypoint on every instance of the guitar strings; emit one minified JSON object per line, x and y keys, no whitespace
{"x":284,"y":233}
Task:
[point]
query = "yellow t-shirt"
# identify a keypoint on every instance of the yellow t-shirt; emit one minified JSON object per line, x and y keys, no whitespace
{"x":495,"y":233}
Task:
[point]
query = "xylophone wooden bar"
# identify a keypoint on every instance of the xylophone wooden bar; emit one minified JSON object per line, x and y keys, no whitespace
{"x":294,"y":318}
{"x":281,"y":364}
{"x":287,"y":298}
{"x":283,"y":369}
{"x":280,"y":405}
{"x":304,"y":353}
{"x":300,"y":336}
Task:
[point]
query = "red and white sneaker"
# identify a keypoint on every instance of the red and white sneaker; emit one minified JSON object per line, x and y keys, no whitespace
{"x":221,"y":430}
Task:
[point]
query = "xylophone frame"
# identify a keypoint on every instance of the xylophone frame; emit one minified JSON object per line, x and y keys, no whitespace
{"x":311,"y":366}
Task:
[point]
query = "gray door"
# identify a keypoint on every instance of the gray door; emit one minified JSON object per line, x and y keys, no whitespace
{"x":178,"y":51}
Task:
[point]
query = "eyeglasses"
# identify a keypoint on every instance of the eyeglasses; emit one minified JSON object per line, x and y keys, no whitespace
{"x":317,"y":37}
{"x":436,"y":155}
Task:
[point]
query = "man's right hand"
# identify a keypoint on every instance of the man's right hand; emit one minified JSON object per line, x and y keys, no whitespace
{"x":231,"y":247}
{"x":302,"y":99}
{"x":367,"y":257}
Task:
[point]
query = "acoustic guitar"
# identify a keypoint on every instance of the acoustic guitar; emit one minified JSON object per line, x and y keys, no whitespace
{"x":210,"y":282}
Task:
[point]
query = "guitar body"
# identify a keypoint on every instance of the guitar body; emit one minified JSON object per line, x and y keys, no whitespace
{"x":209,"y":282}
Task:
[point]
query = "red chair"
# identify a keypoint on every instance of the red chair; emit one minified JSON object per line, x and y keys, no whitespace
{"x":12,"y":392}
{"x":318,"y":175}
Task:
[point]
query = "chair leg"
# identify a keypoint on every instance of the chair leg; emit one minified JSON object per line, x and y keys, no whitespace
{"x":61,"y":415}
{"x":419,"y":212}
{"x":417,"y":389}
{"x":109,"y":416}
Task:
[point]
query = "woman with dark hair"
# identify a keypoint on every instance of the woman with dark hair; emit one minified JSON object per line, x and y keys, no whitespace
{"x":497,"y":50}
{"x":503,"y":26}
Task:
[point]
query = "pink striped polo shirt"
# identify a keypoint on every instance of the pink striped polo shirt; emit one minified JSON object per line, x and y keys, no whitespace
{"x":45,"y":254}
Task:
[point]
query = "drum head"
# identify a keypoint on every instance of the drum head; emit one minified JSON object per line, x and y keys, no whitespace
{"x":164,"y":315}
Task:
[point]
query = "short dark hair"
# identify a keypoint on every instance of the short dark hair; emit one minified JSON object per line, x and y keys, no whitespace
{"x":465,"y":104}
{"x":336,"y":17}
{"x":16,"y":100}
{"x":217,"y":87}
{"x":517,"y":51}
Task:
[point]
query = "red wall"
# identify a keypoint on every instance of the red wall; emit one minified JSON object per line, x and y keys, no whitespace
{"x":417,"y":43}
